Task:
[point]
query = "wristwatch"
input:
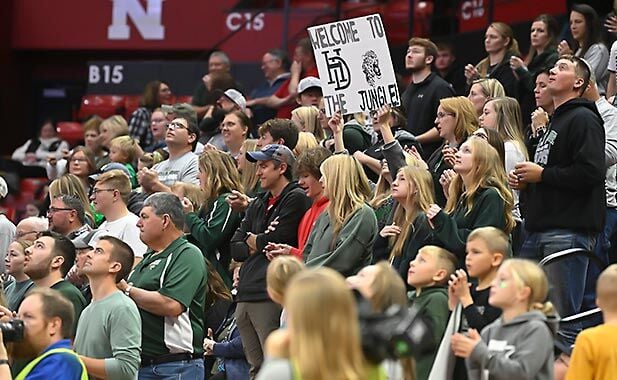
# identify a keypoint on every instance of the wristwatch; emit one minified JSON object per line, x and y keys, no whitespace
{"x":127,"y":290}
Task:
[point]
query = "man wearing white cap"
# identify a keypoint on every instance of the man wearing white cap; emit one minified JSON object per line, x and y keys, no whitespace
{"x":309,"y":92}
{"x":232,"y":100}
{"x":7,"y":228}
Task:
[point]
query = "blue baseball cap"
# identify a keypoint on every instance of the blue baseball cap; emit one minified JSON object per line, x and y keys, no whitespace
{"x":277,"y":152}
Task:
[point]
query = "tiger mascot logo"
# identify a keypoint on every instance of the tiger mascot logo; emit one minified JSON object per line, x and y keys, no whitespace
{"x":370,"y":67}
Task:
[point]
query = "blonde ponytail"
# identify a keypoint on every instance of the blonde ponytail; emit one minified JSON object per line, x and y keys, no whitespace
{"x":545,"y":308}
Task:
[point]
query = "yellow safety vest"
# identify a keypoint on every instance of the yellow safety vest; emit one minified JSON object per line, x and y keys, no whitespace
{"x":26,"y":371}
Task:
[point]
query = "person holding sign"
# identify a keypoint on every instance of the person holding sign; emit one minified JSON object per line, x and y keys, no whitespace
{"x":422,"y":97}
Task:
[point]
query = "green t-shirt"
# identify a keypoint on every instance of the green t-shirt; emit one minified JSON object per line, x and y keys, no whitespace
{"x":110,"y":329}
{"x":177,"y":272}
{"x":73,"y":294}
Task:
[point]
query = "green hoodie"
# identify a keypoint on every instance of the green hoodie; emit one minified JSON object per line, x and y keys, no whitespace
{"x":350,"y":250}
{"x":432,"y":303}
{"x":211,"y":230}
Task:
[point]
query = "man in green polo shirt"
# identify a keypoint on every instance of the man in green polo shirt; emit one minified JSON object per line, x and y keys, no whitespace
{"x":168,"y":286}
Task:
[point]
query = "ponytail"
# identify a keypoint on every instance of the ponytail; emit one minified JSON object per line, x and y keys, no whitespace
{"x":545,"y":308}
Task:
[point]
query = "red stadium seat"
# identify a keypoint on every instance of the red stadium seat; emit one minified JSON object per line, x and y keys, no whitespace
{"x":131,"y":103}
{"x":184,"y":99}
{"x":396,"y":18}
{"x":351,"y":10}
{"x":71,"y":132}
{"x":31,"y":185}
{"x":101,"y":105}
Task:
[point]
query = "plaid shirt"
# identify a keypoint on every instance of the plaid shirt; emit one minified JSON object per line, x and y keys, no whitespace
{"x":139,"y":126}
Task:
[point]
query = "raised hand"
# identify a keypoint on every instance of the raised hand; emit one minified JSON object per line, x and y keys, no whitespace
{"x":563,"y":48}
{"x":471,"y":73}
{"x":539,"y":120}
{"x":391,"y":230}
{"x":463,"y":345}
{"x":336,"y":123}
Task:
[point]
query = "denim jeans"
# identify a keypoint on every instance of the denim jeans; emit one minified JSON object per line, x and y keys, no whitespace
{"x":183,"y":369}
{"x":601,"y":250}
{"x":566,"y":277}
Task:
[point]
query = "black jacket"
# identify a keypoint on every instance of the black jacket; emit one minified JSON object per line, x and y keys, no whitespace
{"x":420,"y":101}
{"x":417,"y":238}
{"x":571,"y":192}
{"x":527,"y":78}
{"x":289,"y":208}
{"x":503,"y":73}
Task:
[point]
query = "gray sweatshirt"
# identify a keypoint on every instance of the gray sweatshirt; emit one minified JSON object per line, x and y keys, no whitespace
{"x":609,"y":117}
{"x":520,"y":349}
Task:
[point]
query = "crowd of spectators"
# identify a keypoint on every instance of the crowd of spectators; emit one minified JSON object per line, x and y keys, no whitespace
{"x":240,"y":236}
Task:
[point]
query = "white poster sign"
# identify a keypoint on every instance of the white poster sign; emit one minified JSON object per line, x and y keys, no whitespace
{"x":354,"y":65}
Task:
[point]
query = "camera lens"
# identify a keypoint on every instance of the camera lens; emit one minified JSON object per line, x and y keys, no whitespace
{"x":13,"y":330}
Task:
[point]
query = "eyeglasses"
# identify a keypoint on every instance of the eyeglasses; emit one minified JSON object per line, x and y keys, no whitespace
{"x":22,"y":234}
{"x":441,"y":115}
{"x":53,"y":210}
{"x":176,"y":125}
{"x":96,"y":191}
{"x":78,"y":160}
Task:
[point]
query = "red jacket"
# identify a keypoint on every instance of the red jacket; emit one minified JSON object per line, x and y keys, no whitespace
{"x":307,"y":223}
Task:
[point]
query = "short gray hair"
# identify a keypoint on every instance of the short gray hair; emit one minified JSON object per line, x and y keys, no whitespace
{"x":72,"y":201}
{"x":281,"y":55}
{"x":167,"y":203}
{"x":224,"y":57}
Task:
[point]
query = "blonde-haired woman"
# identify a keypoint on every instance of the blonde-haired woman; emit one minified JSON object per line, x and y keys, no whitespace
{"x":504,"y":116}
{"x":342,"y":237}
{"x":306,"y":119}
{"x":304,"y":350}
{"x":483,"y":90}
{"x":500,"y":45}
{"x":478,"y":197}
{"x":248,"y":169}
{"x":306,"y":141}
{"x":14,"y":260}
{"x":213,"y":225}
{"x":111,"y":128}
{"x":456,"y":120}
{"x":407,"y":229}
